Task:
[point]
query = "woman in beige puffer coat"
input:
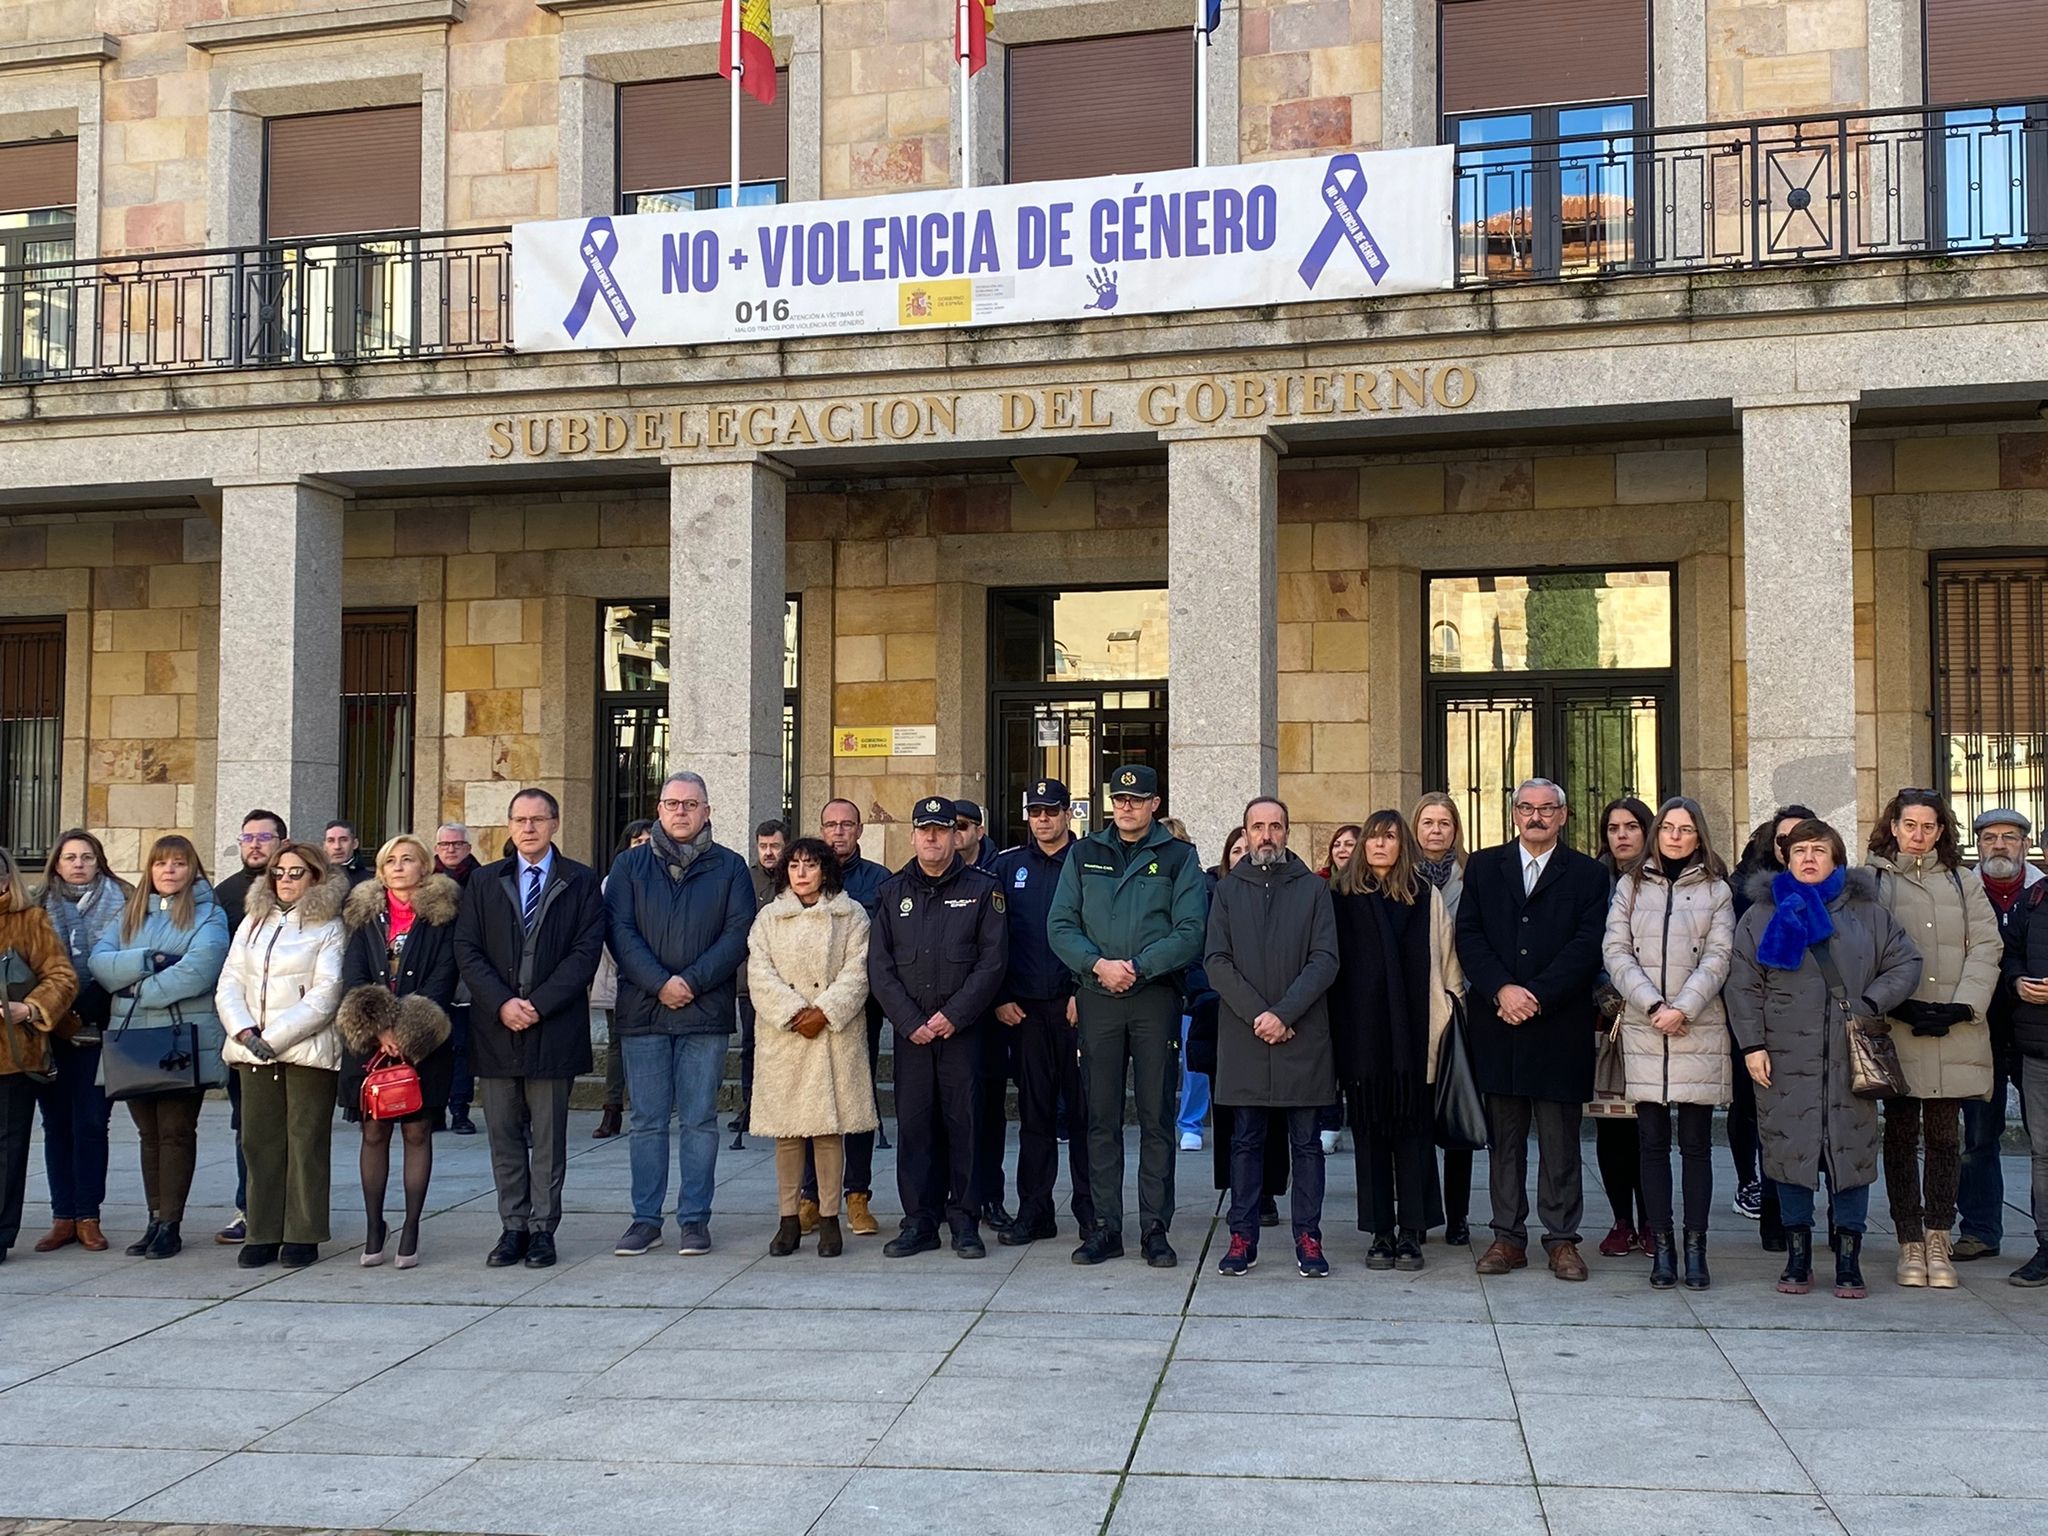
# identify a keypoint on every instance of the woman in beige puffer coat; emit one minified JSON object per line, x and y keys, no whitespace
{"x":807,"y":973}
{"x":1670,"y":937}
{"x":1916,"y":850}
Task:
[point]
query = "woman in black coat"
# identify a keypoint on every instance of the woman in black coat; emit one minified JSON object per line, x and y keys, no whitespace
{"x":399,"y":969}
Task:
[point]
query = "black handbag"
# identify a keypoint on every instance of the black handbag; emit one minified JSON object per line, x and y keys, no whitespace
{"x":1460,"y":1112}
{"x":162,"y":1058}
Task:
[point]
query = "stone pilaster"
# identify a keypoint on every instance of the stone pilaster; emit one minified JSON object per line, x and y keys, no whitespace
{"x":280,"y":653}
{"x":1222,"y":537}
{"x":727,"y":524}
{"x":1798,"y":577}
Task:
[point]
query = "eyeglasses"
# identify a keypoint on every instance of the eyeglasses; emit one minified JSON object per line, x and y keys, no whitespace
{"x":533,"y":821}
{"x":839,"y":826}
{"x":252,"y":839}
{"x":1537,"y":812}
{"x":282,"y":873}
{"x":453,"y":842}
{"x":1036,"y":811}
{"x":673,"y":806}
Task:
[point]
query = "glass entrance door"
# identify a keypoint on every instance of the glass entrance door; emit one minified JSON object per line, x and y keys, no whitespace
{"x":1079,"y":741}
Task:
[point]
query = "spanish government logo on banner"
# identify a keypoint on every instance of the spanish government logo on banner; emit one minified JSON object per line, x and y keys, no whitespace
{"x":978,"y":17}
{"x":757,"y":48}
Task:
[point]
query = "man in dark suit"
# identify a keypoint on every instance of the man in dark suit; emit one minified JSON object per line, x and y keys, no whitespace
{"x":1529,"y":931}
{"x":527,"y":942}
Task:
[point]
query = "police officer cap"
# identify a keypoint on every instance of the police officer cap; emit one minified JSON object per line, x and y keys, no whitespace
{"x":2000,"y":816}
{"x":934,"y":811}
{"x":1133,"y":779}
{"x":967,"y":810}
{"x":1047,"y":792}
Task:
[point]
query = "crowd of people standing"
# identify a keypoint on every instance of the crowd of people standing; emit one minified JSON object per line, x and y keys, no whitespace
{"x":1847,"y":1016}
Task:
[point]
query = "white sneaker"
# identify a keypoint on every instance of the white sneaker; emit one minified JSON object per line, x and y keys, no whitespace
{"x":1191,"y":1141}
{"x":1329,"y":1143}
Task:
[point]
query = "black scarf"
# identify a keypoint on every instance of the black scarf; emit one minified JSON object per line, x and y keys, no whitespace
{"x":1438,"y":872}
{"x":1380,"y":1008}
{"x":678,"y":857}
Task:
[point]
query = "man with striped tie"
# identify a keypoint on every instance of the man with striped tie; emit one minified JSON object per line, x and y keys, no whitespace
{"x":527,"y":942}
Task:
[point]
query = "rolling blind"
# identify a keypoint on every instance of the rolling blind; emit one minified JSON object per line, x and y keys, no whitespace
{"x":678,"y":133}
{"x":39,"y":174}
{"x":342,"y":173}
{"x":1986,"y":50}
{"x":1102,"y":106}
{"x":1497,"y":54}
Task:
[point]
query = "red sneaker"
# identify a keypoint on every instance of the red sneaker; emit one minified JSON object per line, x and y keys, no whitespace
{"x":1616,"y":1244}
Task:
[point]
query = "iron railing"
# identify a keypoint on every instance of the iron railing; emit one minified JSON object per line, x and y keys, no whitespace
{"x":1773,"y":192}
{"x":327,"y":300}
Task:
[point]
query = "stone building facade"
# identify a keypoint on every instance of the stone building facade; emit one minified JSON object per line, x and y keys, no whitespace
{"x":1796,"y":446}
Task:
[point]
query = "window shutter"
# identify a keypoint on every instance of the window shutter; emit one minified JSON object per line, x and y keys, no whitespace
{"x":678,"y":133}
{"x":40,"y":174}
{"x":1102,"y":106}
{"x":1497,"y":54}
{"x":1986,"y":50}
{"x":342,"y":173}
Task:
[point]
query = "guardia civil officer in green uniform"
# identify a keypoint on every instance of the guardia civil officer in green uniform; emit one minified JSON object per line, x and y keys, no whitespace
{"x":1127,"y":918}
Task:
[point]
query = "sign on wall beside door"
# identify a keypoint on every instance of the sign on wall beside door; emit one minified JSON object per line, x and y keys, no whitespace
{"x":885,"y":740}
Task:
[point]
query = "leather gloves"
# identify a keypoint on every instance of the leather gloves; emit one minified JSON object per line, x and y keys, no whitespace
{"x":1932,"y":1020}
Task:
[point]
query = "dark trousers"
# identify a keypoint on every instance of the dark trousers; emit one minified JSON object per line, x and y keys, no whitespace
{"x":1560,"y":1189}
{"x":1048,"y":1052}
{"x":75,"y":1116}
{"x":235,"y":1125}
{"x":860,"y":1146}
{"x":1742,"y":1133}
{"x":1916,"y":1210}
{"x":938,"y":1095}
{"x":1696,"y":1156}
{"x":17,"y":1123}
{"x":462,"y":1091}
{"x":1248,"y":1171}
{"x":998,"y":1068}
{"x":1139,"y":1030}
{"x":1394,"y":1176}
{"x":529,"y":1179}
{"x":167,"y":1133}
{"x":1457,"y":1186}
{"x":1980,"y":1184}
{"x":288,"y":1137}
{"x":614,"y":1062}
{"x":1617,"y":1145}
{"x":746,"y":1060}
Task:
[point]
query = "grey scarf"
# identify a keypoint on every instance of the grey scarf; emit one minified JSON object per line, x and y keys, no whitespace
{"x":678,"y":857}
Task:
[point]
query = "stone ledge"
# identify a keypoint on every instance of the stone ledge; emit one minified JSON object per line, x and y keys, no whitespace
{"x":92,"y":48}
{"x":293,"y":26}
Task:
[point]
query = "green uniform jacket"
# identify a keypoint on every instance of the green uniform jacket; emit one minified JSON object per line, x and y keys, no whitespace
{"x":1149,"y":910}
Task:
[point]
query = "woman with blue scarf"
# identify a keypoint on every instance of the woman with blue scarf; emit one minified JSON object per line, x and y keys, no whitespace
{"x":1815,"y":927}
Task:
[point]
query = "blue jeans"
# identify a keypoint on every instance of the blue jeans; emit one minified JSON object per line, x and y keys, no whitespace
{"x":1194,"y":1089}
{"x":1849,"y":1207}
{"x":1249,"y":1128}
{"x":679,"y":1075}
{"x":75,"y":1115}
{"x":1980,"y":1190}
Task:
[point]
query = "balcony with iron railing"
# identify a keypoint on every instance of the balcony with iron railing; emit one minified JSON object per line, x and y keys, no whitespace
{"x":1723,"y":197}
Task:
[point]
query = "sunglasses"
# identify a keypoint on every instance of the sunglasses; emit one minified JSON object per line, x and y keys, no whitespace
{"x":282,"y":873}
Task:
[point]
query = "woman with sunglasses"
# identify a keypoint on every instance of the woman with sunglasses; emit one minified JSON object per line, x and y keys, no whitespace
{"x":161,"y":965}
{"x":278,"y":995}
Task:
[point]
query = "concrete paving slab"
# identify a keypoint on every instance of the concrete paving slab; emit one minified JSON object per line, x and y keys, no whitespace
{"x":144,"y":1418}
{"x":1610,"y":1511}
{"x":1339,"y":1341}
{"x":966,"y":1422}
{"x":1960,"y":1463}
{"x":404,"y":1414}
{"x":1333,"y":1446}
{"x":52,"y":1482}
{"x":1175,"y":1506}
{"x":1886,"y":1402}
{"x":1863,"y":1516}
{"x":867,"y":1330}
{"x":598,"y":1498}
{"x":1597,"y":1358}
{"x":732,"y":1432}
{"x":255,"y":1488}
{"x":581,"y":1339}
{"x":1657,"y":1443}
{"x":1385,"y":1391}
{"x":1827,"y":1352}
{"x":836,"y":1374}
{"x":943,"y":1503}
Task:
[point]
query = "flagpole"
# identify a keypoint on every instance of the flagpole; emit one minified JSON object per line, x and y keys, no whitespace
{"x":738,"y":69}
{"x":1201,"y":85}
{"x":966,"y":98}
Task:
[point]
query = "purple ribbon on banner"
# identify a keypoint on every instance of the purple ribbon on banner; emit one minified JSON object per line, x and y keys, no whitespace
{"x":599,"y":246}
{"x":1344,"y":194}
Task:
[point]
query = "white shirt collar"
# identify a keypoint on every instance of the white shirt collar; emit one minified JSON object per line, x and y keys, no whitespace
{"x":1524,"y":858}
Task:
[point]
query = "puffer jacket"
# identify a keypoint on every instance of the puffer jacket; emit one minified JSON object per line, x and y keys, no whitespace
{"x":1671,"y":944}
{"x":1952,"y":923}
{"x":1809,"y":1115}
{"x":145,"y":997}
{"x":800,"y":957}
{"x":25,"y":1046}
{"x":283,"y":977}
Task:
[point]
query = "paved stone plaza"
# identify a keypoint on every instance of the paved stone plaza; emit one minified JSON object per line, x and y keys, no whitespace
{"x":739,"y":1393}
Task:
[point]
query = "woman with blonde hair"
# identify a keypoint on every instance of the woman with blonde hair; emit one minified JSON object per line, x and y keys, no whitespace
{"x":1440,"y":844}
{"x":38,"y":987}
{"x":278,"y":994}
{"x":161,"y":965}
{"x":399,"y":969}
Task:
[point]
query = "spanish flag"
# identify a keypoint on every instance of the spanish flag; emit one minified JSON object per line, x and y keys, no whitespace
{"x":757,"y":48}
{"x":975,"y":19}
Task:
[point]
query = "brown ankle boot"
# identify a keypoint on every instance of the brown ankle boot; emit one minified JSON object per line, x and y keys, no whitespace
{"x":607,"y":1123}
{"x":62,"y":1234}
{"x":90,"y":1237}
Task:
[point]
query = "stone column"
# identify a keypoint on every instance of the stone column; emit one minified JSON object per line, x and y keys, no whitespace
{"x":280,"y":654}
{"x":1222,"y":536}
{"x":725,"y":584}
{"x":1800,"y":644}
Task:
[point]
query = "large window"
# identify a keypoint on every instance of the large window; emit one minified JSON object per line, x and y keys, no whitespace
{"x":341,"y":218}
{"x":675,"y":146}
{"x":1546,"y":97}
{"x":1991,"y":683}
{"x":1989,"y":154}
{"x":377,"y":714}
{"x":31,"y":735}
{"x":1101,"y":106}
{"x":38,"y":190}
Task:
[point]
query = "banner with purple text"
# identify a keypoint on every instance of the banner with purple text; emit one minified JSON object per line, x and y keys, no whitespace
{"x":1346,"y":226}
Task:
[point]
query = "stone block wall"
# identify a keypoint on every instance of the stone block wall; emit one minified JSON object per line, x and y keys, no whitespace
{"x":1308,"y":77}
{"x":887,"y":123}
{"x":1770,"y":58}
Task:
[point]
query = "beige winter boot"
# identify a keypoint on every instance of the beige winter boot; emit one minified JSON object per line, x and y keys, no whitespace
{"x":1941,"y":1271}
{"x":1913,"y":1264}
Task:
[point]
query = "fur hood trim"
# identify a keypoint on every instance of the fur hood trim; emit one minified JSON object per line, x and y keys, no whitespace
{"x":321,"y":904}
{"x":1858,"y":884}
{"x":434,"y":903}
{"x":370,"y":1010}
{"x":789,"y":905}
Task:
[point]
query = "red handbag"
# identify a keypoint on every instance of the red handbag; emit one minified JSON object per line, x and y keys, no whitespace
{"x":391,"y":1088}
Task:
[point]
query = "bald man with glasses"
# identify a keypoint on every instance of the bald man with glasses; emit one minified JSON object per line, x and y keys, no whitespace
{"x":1529,"y":930}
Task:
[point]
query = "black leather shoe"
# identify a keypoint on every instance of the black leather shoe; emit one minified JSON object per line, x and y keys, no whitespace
{"x":1408,"y":1252}
{"x":1269,"y":1213}
{"x":460,"y":1124}
{"x":140,"y":1246}
{"x":1158,"y":1251}
{"x":1099,"y":1247}
{"x":256,"y":1256}
{"x":1458,"y":1234}
{"x":510,"y":1250}
{"x":166,"y":1244}
{"x":1020,"y":1232}
{"x":912,"y":1241}
{"x":1663,"y":1261}
{"x":993,"y":1215}
{"x":540,"y":1250}
{"x":1381,"y":1254}
{"x":298,"y":1255}
{"x":968,"y":1244}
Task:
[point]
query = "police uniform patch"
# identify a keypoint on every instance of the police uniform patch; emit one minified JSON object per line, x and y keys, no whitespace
{"x":905,"y":906}
{"x":997,"y":897}
{"x":1152,"y":868}
{"x":1023,"y":875}
{"x":1126,"y":779}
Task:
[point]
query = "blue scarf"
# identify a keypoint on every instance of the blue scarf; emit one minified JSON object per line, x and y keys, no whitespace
{"x":1800,"y":921}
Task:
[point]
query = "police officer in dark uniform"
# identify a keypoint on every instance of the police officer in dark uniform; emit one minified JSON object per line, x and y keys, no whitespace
{"x":1036,"y":1013}
{"x":937,"y":950}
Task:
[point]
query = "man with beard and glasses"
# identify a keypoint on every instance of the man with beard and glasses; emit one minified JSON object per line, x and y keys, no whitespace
{"x":2002,"y":837}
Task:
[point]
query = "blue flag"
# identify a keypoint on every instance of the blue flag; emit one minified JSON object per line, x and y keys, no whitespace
{"x":1212,"y":15}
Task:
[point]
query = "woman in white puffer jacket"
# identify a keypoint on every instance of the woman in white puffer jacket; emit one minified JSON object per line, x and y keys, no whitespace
{"x":278,"y":995}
